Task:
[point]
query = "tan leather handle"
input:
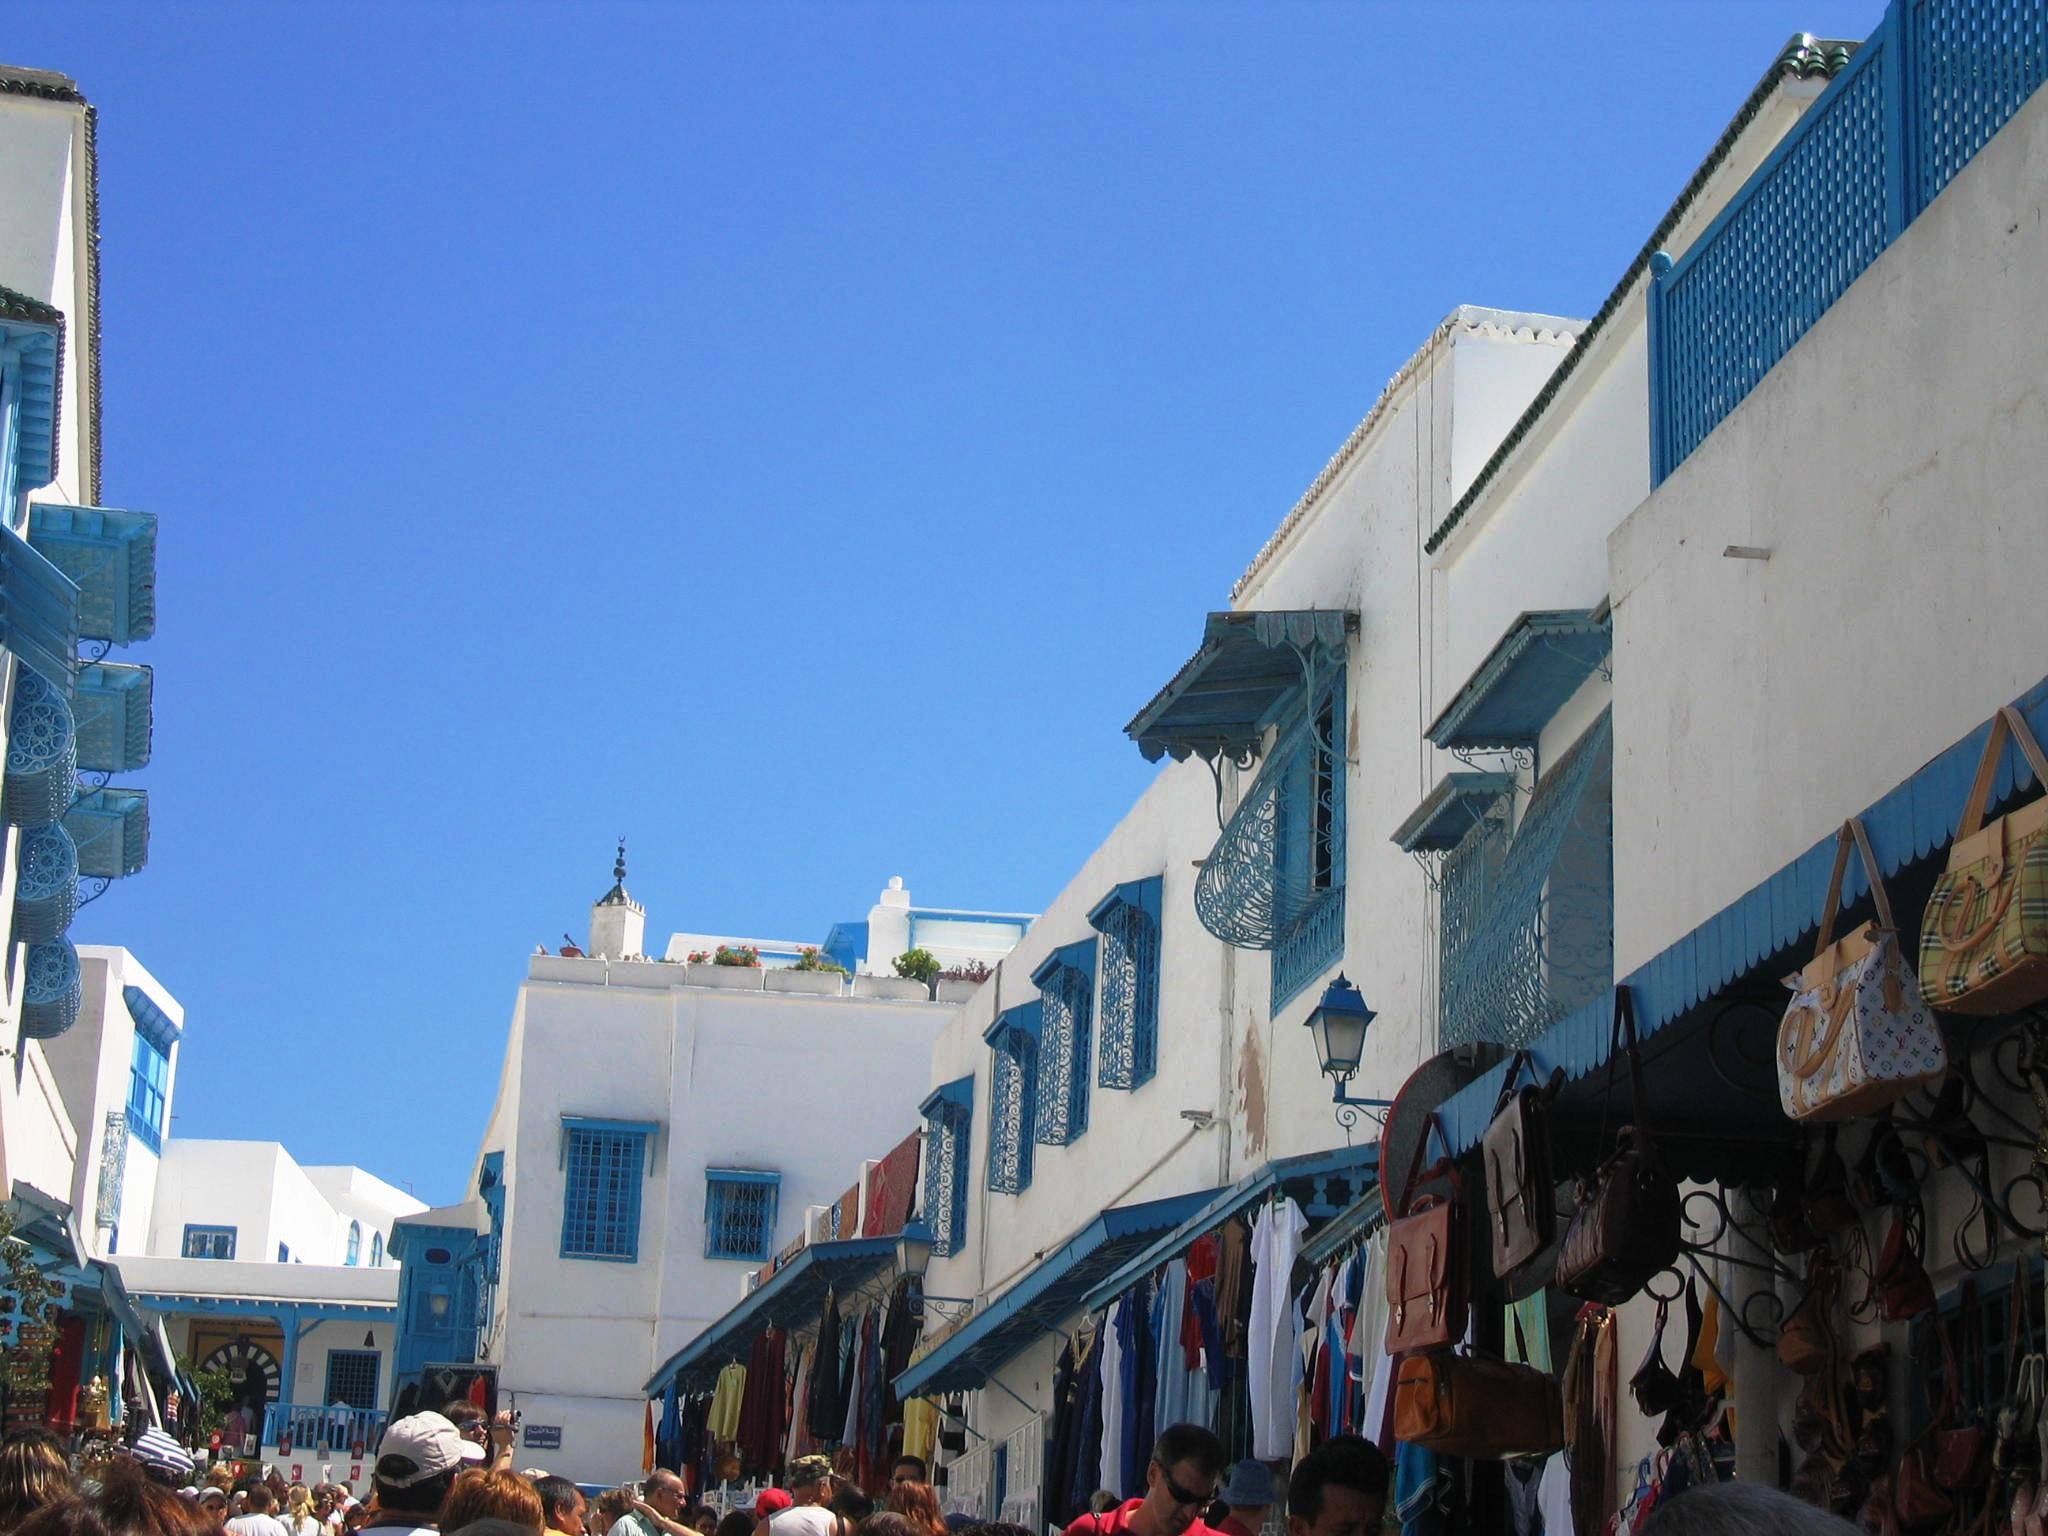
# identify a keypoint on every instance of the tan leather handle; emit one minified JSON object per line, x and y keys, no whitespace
{"x":1816,"y":1052}
{"x":1852,"y":832}
{"x":1953,"y":937}
{"x":2008,"y":721}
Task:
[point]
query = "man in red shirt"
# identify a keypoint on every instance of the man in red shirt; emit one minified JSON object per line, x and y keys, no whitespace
{"x":1180,"y":1482}
{"x":1248,"y":1494}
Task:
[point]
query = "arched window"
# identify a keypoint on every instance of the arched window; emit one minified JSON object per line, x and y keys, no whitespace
{"x":376,"y":1249}
{"x":355,"y":1243}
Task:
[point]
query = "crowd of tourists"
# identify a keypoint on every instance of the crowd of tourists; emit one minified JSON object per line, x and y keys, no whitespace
{"x":451,"y":1473}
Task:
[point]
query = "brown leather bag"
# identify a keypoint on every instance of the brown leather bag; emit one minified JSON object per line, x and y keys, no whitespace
{"x":1477,"y":1406}
{"x":1918,"y":1503}
{"x":1627,"y":1227}
{"x":1520,"y":1192}
{"x":1807,"y":1344}
{"x":1903,"y":1288}
{"x":1426,"y":1259}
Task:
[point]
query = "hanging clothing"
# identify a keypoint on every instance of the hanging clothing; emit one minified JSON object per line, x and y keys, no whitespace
{"x":668,"y":1436}
{"x":1554,"y":1496}
{"x":1415,"y":1491}
{"x":799,"y":1441}
{"x":826,"y":1409}
{"x":1271,"y":1356}
{"x":723,"y":1420}
{"x":1233,"y":1286}
{"x":760,"y":1434}
{"x":1184,"y":1395}
{"x":1142,"y":1366}
{"x":1111,"y":1453}
{"x":848,"y":1432}
{"x":1085,"y":1473}
{"x":1216,"y":1362}
{"x":920,"y":1428}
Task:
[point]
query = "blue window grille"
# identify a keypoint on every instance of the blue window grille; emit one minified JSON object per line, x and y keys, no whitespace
{"x":149,"y":1085}
{"x":1013,"y":1098}
{"x":209,"y":1242}
{"x":1066,"y":1046}
{"x":739,"y":1213}
{"x":284,"y":1254}
{"x":352,"y":1378}
{"x":376,"y":1249}
{"x":1534,"y":928}
{"x":1923,"y":94}
{"x":355,"y":1243}
{"x":1128,"y":920}
{"x":948,"y":1114}
{"x":1465,"y":883}
{"x":605,"y":1162}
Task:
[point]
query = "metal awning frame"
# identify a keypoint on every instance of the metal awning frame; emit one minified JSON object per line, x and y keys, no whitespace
{"x":1250,"y":668}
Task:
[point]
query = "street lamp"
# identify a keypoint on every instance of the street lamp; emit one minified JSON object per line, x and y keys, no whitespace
{"x":1338,"y":1024}
{"x":914,"y":1246}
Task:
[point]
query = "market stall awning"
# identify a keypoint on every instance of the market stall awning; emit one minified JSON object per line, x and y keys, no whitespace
{"x":1766,"y":931}
{"x":792,"y":1297}
{"x":1237,"y":684}
{"x":1308,"y":1179}
{"x":1538,"y":664}
{"x":1453,"y":808}
{"x":1047,"y":1295}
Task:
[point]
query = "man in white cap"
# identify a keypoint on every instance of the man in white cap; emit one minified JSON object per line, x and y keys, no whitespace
{"x":416,"y":1465}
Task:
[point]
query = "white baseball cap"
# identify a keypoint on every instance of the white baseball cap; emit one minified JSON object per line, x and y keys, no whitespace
{"x":421,"y":1446}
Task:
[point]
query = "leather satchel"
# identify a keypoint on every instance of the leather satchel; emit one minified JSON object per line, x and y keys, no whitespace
{"x":1426,"y":1259}
{"x":1904,"y":1290}
{"x":1520,"y":1191}
{"x":1477,"y":1406}
{"x":1857,"y":1036}
{"x":1654,"y":1387}
{"x":1984,"y":937}
{"x":1919,"y":1505}
{"x":1807,"y":1344}
{"x":1627,"y":1226}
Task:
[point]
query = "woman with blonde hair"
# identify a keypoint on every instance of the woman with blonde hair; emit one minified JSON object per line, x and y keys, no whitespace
{"x":298,"y":1511}
{"x":34,"y":1473}
{"x":500,"y":1497}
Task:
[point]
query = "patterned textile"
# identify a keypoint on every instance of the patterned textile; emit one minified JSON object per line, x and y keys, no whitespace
{"x":1984,"y":940}
{"x":1857,"y":1039}
{"x":892,"y":1186}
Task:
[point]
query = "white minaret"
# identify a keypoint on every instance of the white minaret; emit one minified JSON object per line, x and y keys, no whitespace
{"x":618,"y":923}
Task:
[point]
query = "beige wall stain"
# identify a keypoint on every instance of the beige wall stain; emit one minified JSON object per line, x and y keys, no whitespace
{"x":1251,"y":1097}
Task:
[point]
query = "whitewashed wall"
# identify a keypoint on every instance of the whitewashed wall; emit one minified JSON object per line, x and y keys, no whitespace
{"x":803,"y":1086}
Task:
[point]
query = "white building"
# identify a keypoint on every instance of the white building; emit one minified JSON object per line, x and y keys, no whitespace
{"x":1554,"y":688}
{"x":662,"y":1131}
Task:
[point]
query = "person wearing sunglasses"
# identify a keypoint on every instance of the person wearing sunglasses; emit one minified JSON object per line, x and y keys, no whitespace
{"x":1180,"y":1483}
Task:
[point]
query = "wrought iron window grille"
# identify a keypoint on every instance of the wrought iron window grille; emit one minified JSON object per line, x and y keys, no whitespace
{"x":1129,"y":926}
{"x":601,"y":1196}
{"x":1526,"y":919}
{"x":945,"y":1183}
{"x":740,"y":1207}
{"x":1012,"y":1110}
{"x":1066,"y":1050}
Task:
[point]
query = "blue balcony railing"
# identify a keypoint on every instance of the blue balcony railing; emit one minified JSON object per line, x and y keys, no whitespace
{"x":1928,"y":89}
{"x":310,"y":1427}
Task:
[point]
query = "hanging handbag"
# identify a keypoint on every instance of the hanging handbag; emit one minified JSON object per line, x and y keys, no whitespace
{"x":1477,"y":1406}
{"x":1520,"y":1192}
{"x":1654,"y":1387}
{"x":2020,"y":1414}
{"x":1627,"y":1226}
{"x":1426,"y":1259}
{"x":1984,"y":938}
{"x":1918,"y":1503}
{"x":1806,"y":1344}
{"x":1857,"y":1036}
{"x":1962,"y":1446}
{"x":1903,"y":1288}
{"x":1829,"y":1210}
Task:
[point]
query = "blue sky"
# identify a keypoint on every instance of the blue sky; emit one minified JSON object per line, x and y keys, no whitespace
{"x":795,"y":437}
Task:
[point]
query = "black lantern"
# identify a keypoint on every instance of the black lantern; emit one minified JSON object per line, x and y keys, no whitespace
{"x":1338,"y":1023}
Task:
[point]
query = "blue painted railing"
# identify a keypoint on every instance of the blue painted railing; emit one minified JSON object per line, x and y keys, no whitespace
{"x":310,"y":1427}
{"x":1928,"y":89}
{"x":1311,"y":947}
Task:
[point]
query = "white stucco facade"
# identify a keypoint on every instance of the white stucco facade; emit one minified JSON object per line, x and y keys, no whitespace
{"x":779,"y":1073}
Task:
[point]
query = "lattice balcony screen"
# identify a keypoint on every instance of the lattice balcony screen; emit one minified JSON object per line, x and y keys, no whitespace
{"x":1066,"y":1050}
{"x":1012,"y":1111}
{"x":601,"y":1195}
{"x":945,"y":1175}
{"x":1268,"y":882}
{"x":1128,"y":921}
{"x":1528,"y":930}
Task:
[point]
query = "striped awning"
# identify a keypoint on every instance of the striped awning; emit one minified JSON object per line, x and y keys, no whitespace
{"x":111,"y":555}
{"x":113,"y":708}
{"x":111,"y":828}
{"x":1249,"y":668}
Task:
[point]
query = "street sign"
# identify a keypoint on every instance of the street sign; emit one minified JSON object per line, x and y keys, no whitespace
{"x":542,"y":1437}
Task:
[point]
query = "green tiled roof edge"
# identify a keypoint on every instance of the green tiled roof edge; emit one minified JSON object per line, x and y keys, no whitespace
{"x":1804,"y":57}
